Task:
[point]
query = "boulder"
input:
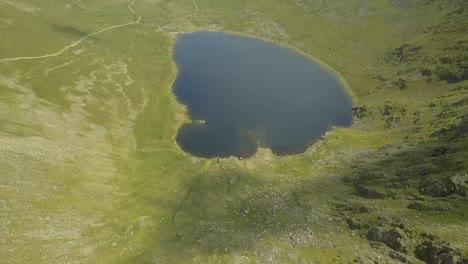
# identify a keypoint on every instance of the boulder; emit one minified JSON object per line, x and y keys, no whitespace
{"x":445,"y":186}
{"x":391,"y":238}
{"x":433,"y":252}
{"x":397,"y":256}
{"x":355,"y":224}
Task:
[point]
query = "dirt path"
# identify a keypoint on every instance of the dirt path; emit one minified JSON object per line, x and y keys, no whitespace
{"x":76,"y":43}
{"x":133,"y":12}
{"x":196,"y":8}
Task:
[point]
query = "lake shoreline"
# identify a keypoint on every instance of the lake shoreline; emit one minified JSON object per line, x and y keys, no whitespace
{"x":326,"y":92}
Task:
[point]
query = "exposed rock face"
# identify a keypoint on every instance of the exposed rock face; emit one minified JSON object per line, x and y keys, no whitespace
{"x":404,"y":54}
{"x":355,"y":224}
{"x":360,"y":111}
{"x":433,"y":252}
{"x":398,"y":256}
{"x":444,"y":187}
{"x":392,"y":238}
{"x":455,"y":131}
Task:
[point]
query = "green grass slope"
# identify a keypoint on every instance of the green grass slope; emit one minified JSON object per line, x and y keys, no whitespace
{"x":90,"y":171}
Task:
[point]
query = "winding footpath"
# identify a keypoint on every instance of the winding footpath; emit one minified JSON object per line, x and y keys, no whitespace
{"x":196,"y":7}
{"x":76,"y":43}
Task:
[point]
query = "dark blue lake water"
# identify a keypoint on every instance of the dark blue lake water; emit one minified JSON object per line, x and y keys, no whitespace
{"x":243,"y":93}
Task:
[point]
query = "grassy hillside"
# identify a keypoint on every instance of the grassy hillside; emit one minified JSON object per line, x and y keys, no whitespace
{"x":90,"y":171}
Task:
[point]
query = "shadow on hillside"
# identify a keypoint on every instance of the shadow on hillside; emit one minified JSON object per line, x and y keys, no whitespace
{"x":233,"y":211}
{"x":71,"y":31}
{"x":230,"y":211}
{"x":434,"y":167}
